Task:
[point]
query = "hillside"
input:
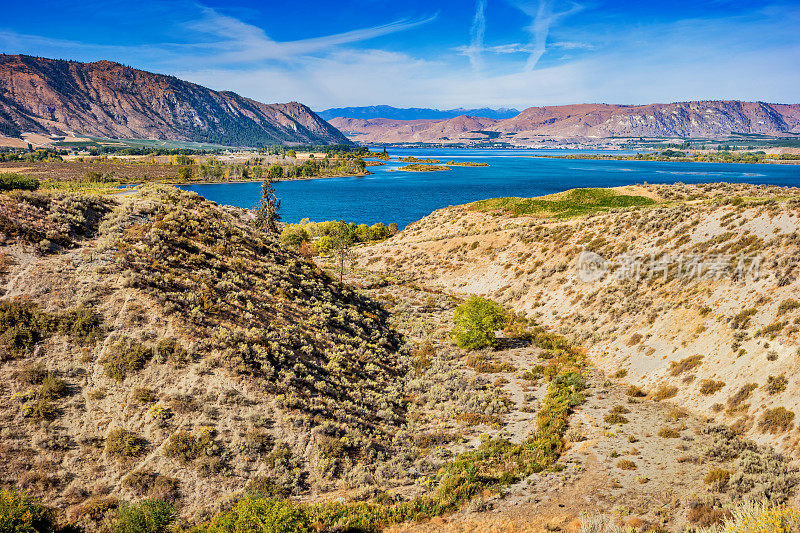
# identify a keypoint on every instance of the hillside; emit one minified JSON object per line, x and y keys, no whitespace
{"x":706,"y":119}
{"x":106,"y":99}
{"x":158,"y":350}
{"x":158,"y":345}
{"x":724,"y":344}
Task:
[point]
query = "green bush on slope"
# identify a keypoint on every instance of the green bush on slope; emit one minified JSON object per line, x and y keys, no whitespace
{"x":476,"y":321}
{"x":22,"y":514}
{"x":10,"y":181}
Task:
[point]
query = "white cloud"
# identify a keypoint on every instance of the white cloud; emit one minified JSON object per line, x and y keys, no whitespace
{"x":241,"y":42}
{"x":725,"y":58}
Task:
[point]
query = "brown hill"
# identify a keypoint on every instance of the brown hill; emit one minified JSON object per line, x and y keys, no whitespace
{"x":718,"y":340}
{"x":107,"y":99}
{"x":176,"y":349}
{"x":155,"y":345}
{"x":706,"y":119}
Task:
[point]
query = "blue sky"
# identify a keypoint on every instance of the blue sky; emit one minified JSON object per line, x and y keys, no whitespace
{"x":434,"y":53}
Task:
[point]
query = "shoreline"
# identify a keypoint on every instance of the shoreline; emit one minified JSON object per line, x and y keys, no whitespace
{"x":253,"y":180}
{"x":588,"y":157}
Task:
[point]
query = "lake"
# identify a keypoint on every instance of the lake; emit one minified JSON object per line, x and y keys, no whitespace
{"x":404,"y":197}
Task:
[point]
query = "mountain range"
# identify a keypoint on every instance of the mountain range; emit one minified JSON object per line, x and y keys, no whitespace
{"x":415,"y":113}
{"x":699,"y":119}
{"x":107,"y":99}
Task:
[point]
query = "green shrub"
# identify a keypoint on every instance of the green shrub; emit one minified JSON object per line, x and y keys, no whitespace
{"x":788,"y":305}
{"x":20,"y":328}
{"x":262,"y":515}
{"x":776,"y":420}
{"x":635,"y":392}
{"x":151,"y":484}
{"x":81,"y":324}
{"x":21,"y":514}
{"x":39,"y":410}
{"x":717,"y":478}
{"x":294,"y":235}
{"x":52,"y":388}
{"x":23,"y":325}
{"x":126,"y":355}
{"x":742,"y":319}
{"x":476,"y":321}
{"x":143,"y":395}
{"x":684,"y":365}
{"x":665,"y":392}
{"x":709,"y":386}
{"x":124,"y":444}
{"x":615,"y":418}
{"x":160,"y":413}
{"x":147,"y":516}
{"x":10,"y":181}
{"x":186,"y":447}
{"x":669,"y":433}
{"x":170,"y":350}
{"x":776,"y":384}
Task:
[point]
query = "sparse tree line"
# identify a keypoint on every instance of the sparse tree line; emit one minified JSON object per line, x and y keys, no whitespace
{"x":329,"y":236}
{"x":215,"y":170}
{"x":32,"y":156}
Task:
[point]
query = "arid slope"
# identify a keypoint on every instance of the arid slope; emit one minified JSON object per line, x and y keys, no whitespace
{"x":724,"y":344}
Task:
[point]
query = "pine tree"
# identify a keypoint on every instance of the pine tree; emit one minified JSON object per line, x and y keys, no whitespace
{"x":267,"y":216}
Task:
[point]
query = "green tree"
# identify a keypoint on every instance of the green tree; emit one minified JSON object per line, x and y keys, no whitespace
{"x":185,"y":173}
{"x":267,"y":217}
{"x":294,"y":235}
{"x":10,"y":181}
{"x":337,"y":239}
{"x":275,"y":172}
{"x":476,"y":321}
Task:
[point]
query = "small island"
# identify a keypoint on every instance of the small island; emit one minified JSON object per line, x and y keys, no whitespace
{"x":467,"y":164}
{"x":423,"y":168}
{"x":412,"y":159}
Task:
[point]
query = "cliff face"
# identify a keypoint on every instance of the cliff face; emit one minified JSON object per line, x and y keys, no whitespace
{"x":708,"y":119}
{"x":107,"y":99}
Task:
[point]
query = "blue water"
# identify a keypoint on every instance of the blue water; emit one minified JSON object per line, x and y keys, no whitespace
{"x":404,"y":197}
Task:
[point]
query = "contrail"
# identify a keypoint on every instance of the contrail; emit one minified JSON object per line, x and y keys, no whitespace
{"x":542,"y":18}
{"x":475,"y":49}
